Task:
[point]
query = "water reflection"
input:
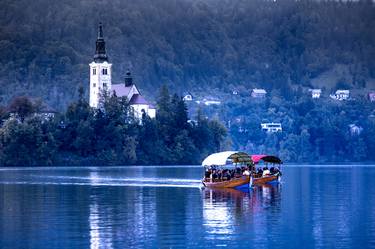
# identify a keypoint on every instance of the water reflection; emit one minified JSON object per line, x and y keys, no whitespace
{"x":98,"y":237}
{"x":227,"y":211}
{"x":92,"y":208}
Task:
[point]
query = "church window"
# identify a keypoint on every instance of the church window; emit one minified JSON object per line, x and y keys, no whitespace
{"x":94,"y":85}
{"x":104,"y":85}
{"x":94,"y":71}
{"x":105,"y":72}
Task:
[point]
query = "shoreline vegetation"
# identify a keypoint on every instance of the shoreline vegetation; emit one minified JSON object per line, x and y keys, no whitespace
{"x":110,"y":135}
{"x":314,"y":131}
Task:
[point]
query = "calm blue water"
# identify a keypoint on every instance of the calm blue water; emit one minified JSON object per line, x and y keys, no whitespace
{"x":163,"y":207}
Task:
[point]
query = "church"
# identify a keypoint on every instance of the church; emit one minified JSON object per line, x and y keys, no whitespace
{"x":100,"y":79}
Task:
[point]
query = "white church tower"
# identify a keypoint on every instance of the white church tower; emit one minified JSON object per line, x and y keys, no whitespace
{"x":100,"y":70}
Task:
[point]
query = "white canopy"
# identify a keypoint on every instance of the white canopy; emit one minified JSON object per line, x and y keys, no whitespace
{"x":226,"y":157}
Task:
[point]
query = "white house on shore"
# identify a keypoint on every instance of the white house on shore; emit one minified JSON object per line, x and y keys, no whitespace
{"x":188,"y":97}
{"x":371,"y":96}
{"x":355,"y":130}
{"x":341,"y":95}
{"x":258,"y":93}
{"x":315,"y":93}
{"x":101,"y":80}
{"x":271,"y":127}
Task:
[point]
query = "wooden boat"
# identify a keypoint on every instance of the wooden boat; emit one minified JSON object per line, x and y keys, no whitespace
{"x":232,"y":183}
{"x":236,"y":159}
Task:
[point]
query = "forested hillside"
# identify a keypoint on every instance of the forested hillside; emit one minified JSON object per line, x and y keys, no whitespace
{"x":110,"y":135}
{"x":191,"y":45}
{"x":209,"y":48}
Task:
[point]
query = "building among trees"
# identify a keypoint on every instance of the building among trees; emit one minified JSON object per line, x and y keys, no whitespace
{"x":271,"y":127}
{"x":341,"y":95}
{"x":101,"y":80}
{"x":371,"y":96}
{"x":258,"y":93}
{"x":315,"y":93}
{"x":355,"y":130}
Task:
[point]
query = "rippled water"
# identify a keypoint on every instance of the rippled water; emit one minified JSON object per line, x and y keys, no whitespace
{"x":164,"y":207}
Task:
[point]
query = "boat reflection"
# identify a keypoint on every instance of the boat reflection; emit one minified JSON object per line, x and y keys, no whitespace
{"x":225,"y":210}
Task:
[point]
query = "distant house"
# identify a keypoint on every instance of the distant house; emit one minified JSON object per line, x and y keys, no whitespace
{"x":271,"y":127}
{"x":209,"y":101}
{"x":355,"y":130}
{"x":371,"y":96}
{"x":341,"y":95}
{"x":192,"y":122}
{"x":45,"y":113}
{"x":258,"y":93}
{"x":315,"y":93}
{"x":188,"y":97}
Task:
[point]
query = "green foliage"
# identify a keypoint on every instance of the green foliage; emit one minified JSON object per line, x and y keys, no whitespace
{"x":314,"y":130}
{"x":171,"y":139}
{"x":109,"y":135}
{"x":206,"y":47}
{"x":191,"y":45}
{"x":22,"y":107}
{"x":26,"y":143}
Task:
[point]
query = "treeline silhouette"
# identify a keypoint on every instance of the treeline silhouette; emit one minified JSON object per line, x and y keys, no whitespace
{"x":109,"y":135}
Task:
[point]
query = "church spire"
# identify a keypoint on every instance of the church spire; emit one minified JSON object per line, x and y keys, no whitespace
{"x":128,"y":79}
{"x":100,"y":54}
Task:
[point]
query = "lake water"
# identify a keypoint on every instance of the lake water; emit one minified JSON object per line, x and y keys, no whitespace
{"x":163,"y":207}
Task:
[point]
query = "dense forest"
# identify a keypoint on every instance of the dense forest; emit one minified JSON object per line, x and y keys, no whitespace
{"x":110,"y":135}
{"x":208,"y":48}
{"x":203,"y":46}
{"x":314,"y":130}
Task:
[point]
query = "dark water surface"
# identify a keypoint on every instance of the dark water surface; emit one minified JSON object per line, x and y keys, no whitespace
{"x":163,"y":207}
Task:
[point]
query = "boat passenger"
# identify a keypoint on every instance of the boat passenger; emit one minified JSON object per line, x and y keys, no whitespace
{"x":226,"y":175}
{"x":238,"y":170}
{"x":246,"y":173}
{"x":232,"y":173}
{"x":266,"y":171}
{"x":214,"y":174}
{"x":220,"y":174}
{"x":272,"y":170}
{"x":208,"y":173}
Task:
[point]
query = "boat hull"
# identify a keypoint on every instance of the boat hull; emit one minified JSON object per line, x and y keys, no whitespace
{"x":240,"y":182}
{"x":265,"y":179}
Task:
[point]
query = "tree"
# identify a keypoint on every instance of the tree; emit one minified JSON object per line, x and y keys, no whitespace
{"x":25,"y":143}
{"x":22,"y":106}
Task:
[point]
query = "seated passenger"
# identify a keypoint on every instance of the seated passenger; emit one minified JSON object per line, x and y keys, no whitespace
{"x":266,"y":172}
{"x":238,"y":170}
{"x":232,"y":173}
{"x":214,"y":174}
{"x":272,"y":170}
{"x":227,"y":175}
{"x":207,"y":174}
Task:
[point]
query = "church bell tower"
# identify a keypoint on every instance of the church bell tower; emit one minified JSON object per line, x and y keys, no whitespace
{"x":100,"y":70}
